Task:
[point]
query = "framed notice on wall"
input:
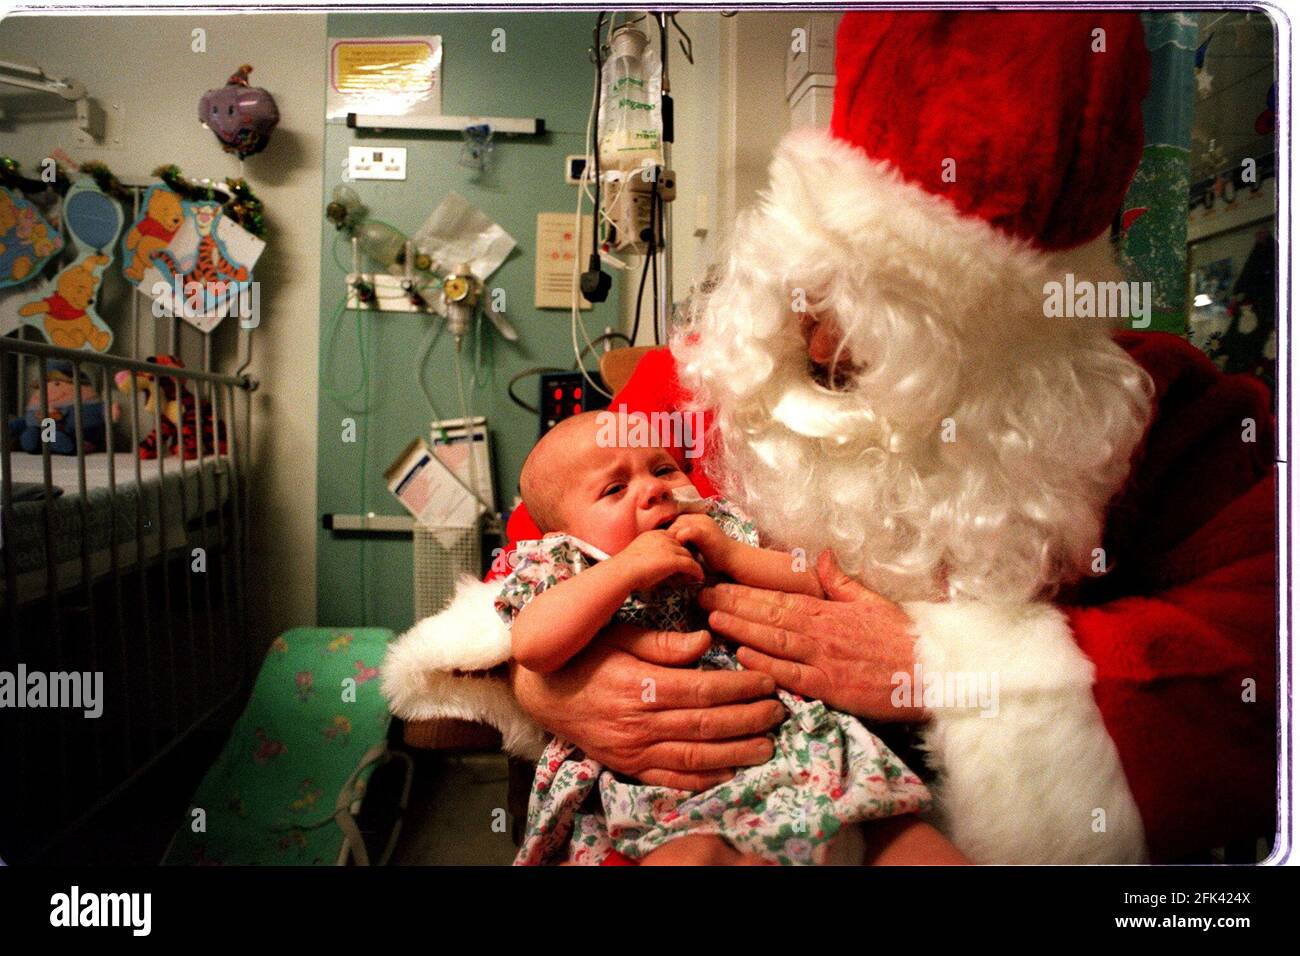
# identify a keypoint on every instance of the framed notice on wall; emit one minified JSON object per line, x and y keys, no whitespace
{"x":385,"y":76}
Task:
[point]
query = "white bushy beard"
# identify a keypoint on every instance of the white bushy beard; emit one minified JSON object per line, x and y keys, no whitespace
{"x":946,"y":318}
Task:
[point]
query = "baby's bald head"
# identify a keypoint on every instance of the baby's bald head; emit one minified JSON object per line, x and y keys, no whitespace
{"x":541,"y":482}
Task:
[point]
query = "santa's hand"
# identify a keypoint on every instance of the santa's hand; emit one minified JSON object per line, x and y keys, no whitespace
{"x":843,"y":651}
{"x":671,"y":725}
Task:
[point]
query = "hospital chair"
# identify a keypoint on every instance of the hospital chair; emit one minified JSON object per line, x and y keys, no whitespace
{"x":289,"y":785}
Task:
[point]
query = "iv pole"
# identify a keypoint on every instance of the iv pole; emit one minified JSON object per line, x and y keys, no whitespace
{"x":664,"y":317}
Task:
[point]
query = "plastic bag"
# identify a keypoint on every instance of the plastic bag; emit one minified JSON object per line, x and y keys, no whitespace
{"x":630,"y":124}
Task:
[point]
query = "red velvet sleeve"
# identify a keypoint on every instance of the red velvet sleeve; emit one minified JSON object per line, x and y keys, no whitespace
{"x":653,"y":387}
{"x":1182,"y":631}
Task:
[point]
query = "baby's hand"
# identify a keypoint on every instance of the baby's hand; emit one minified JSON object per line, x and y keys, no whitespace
{"x":655,"y":556}
{"x":710,"y":540}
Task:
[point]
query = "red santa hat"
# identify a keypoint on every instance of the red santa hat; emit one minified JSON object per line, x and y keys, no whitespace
{"x":1030,"y":121}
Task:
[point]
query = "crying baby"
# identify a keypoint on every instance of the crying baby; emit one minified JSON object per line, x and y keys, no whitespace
{"x":627,"y":538}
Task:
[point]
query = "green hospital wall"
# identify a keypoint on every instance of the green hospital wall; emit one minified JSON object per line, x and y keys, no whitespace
{"x":544,"y":72}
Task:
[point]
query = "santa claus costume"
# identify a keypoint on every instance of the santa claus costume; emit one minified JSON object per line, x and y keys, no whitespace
{"x":1084,"y":512}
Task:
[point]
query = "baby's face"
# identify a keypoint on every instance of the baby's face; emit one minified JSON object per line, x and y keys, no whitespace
{"x":618,"y":493}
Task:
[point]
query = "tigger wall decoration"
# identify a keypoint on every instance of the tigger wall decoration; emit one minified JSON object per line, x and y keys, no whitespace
{"x":205,"y":271}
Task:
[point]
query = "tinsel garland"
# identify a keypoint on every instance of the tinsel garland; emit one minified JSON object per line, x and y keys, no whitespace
{"x":106,"y":181}
{"x":245,"y":208}
{"x":12,"y":178}
{"x":237,"y":200}
{"x":187,"y":189}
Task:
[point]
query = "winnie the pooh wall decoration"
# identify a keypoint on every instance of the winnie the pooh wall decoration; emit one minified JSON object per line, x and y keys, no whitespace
{"x":162,"y":214}
{"x":64,"y":311}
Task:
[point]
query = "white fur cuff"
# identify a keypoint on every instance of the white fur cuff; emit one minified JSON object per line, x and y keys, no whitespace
{"x":1034,"y":778}
{"x":436,"y":669}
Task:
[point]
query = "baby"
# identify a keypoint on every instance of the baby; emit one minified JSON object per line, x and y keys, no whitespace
{"x":628,"y":538}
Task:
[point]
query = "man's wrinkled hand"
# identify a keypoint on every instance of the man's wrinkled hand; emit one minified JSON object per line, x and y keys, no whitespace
{"x":632,"y":701}
{"x":843,"y":651}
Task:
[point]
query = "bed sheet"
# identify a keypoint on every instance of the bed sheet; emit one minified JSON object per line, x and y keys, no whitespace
{"x":105,"y":522}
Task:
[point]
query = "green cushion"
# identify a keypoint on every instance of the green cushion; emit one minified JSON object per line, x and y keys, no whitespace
{"x":314,"y":713}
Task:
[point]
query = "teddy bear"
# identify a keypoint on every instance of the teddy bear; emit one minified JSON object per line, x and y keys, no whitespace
{"x":163,"y":217}
{"x":67,"y":323}
{"x":60,"y":399}
{"x":177,"y":418}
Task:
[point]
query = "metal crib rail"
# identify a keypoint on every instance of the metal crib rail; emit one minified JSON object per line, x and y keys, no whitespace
{"x":140,"y":627}
{"x":29,"y":347}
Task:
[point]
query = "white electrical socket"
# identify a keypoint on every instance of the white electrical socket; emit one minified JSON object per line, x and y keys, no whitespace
{"x":377,"y":162}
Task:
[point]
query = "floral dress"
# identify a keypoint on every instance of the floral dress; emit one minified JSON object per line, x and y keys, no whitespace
{"x":827,"y":769}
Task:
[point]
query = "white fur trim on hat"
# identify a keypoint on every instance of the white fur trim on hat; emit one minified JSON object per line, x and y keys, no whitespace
{"x":437,"y":669}
{"x":1038,"y":779}
{"x":818,"y":178}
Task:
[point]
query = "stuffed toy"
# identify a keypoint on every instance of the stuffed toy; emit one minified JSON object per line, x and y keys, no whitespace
{"x":60,"y":397}
{"x":177,"y":419}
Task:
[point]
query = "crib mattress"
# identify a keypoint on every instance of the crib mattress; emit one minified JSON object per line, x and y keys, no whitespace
{"x":178,"y":502}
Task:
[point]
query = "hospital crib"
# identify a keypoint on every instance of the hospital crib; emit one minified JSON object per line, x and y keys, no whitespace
{"x":129,"y":568}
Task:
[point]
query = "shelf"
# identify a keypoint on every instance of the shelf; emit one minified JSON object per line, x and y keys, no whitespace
{"x":384,"y":524}
{"x":507,"y":125}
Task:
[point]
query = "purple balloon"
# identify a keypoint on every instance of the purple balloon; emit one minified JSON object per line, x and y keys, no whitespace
{"x":240,"y":115}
